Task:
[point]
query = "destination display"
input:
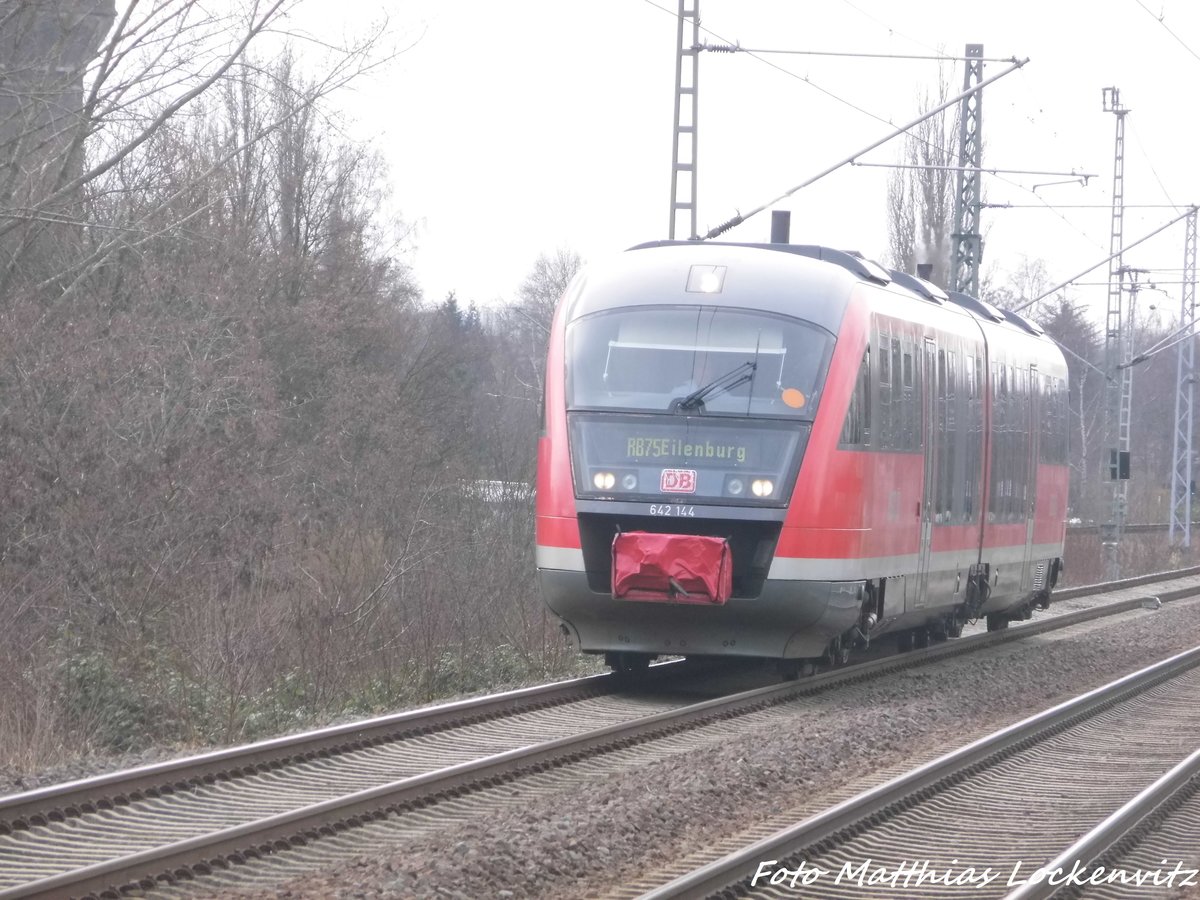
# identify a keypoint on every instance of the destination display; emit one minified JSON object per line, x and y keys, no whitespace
{"x":654,"y":457}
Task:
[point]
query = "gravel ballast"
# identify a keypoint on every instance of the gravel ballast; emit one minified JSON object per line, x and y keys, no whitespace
{"x":798,"y":759}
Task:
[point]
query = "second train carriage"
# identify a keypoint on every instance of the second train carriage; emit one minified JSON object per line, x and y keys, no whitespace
{"x":780,"y":451}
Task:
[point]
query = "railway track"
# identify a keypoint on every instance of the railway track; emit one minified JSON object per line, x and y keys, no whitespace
{"x":195,"y":816}
{"x":995,"y":818}
{"x":1136,"y":528}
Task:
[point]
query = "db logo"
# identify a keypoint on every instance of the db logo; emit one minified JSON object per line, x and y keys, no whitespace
{"x":678,"y":481}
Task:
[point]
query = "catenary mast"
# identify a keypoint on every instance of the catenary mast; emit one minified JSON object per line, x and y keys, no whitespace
{"x":1185,"y":391}
{"x":687,"y":74}
{"x":968,"y":246}
{"x":1119,"y":378}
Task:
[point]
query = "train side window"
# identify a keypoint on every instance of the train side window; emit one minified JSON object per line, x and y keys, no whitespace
{"x":888,"y":415}
{"x":954,"y":442}
{"x":941,"y":496}
{"x":1053,"y":442}
{"x":999,"y":454}
{"x":856,"y":429}
{"x":884,"y":409}
{"x":896,"y":356}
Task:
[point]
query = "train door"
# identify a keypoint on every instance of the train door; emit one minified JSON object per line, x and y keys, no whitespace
{"x":1032,"y":423}
{"x":928,"y":387}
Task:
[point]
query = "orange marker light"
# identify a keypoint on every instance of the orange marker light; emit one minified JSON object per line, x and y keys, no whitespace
{"x":794,"y":398}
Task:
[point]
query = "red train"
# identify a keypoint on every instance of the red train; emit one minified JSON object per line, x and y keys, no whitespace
{"x":784,"y":451}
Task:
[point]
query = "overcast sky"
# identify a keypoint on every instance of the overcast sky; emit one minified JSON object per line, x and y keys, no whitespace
{"x":513,"y":129}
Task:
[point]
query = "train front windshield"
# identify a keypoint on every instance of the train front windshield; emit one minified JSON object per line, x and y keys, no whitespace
{"x":697,"y":360}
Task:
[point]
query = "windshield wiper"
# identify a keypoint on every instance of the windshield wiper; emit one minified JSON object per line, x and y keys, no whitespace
{"x":722,"y":385}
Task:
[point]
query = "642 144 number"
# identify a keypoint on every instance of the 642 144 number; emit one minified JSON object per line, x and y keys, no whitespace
{"x":671,"y":509}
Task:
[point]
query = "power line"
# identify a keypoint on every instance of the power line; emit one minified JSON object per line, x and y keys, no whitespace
{"x":868,"y":113}
{"x":1079,"y":205}
{"x":890,"y":29}
{"x":802,"y":78}
{"x":738,"y":48}
{"x":1153,"y":170}
{"x":1155,"y":282}
{"x":1043,"y":204}
{"x":1126,"y":247}
{"x":986,"y":170}
{"x":1159,"y":20}
{"x":754,"y":54}
{"x":739,"y":218}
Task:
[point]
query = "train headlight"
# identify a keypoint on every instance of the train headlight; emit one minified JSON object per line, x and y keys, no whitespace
{"x":604,"y":481}
{"x":735,"y":487}
{"x":762,"y":487}
{"x":629,"y":481}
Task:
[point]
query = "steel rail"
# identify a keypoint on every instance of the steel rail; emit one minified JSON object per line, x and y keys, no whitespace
{"x":301,"y":825}
{"x":1092,"y":847}
{"x":1108,"y":587}
{"x":1138,"y":528}
{"x":55,"y":802}
{"x":733,"y":868}
{"x":101,"y":791}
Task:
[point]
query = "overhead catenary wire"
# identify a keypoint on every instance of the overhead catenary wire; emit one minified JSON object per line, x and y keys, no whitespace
{"x":986,"y":170}
{"x":738,"y":219}
{"x":808,"y":81}
{"x":1153,"y":171}
{"x":1042,"y":202}
{"x":1079,"y":205}
{"x":1158,"y":345}
{"x":890,"y":30}
{"x":848,"y":54}
{"x":1058,"y":287}
{"x":801,"y":78}
{"x":1160,"y":20}
{"x":1065,"y":349}
{"x":1154,"y":284}
{"x":1182,"y":334}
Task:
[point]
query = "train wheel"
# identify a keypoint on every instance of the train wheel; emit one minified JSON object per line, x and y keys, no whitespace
{"x":904,"y":641}
{"x":627,"y":663}
{"x":997,"y":621}
{"x":921,"y":638}
{"x":954,"y":626}
{"x":793,"y":669}
{"x":837,"y":653}
{"x":841,"y":653}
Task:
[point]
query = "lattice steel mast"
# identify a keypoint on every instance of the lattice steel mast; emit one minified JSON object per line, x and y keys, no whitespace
{"x":687,"y":74}
{"x":1119,"y":379}
{"x":1185,"y":390}
{"x":968,"y":247}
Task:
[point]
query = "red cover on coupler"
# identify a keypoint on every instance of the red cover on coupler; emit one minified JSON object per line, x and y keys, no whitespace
{"x":674,"y":568}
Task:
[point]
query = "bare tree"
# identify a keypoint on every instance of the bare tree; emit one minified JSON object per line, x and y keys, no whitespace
{"x":542,"y":288}
{"x":158,"y":58}
{"x":235,"y":444}
{"x":920,"y":198}
{"x":206,"y":342}
{"x":528,"y":321}
{"x":1067,"y":323}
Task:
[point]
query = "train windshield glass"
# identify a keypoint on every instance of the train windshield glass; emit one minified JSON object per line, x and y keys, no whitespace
{"x":697,"y":360}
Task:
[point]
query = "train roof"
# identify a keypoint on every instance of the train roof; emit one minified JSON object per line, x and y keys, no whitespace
{"x":740,"y":275}
{"x":770,"y":277}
